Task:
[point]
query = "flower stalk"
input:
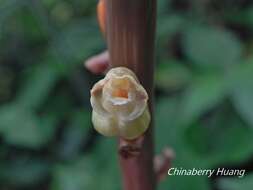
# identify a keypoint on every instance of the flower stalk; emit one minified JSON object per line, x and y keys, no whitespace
{"x":130,"y":32}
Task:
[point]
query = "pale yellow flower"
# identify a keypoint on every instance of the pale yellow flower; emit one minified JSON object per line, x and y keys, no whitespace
{"x":119,"y":105}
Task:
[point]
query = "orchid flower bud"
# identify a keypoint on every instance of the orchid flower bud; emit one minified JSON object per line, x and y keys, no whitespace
{"x":101,"y":14}
{"x":119,"y":105}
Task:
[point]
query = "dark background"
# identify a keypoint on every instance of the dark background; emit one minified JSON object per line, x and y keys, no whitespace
{"x":204,"y":94}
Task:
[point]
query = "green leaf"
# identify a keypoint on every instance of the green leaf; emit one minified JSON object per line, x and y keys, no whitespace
{"x":106,"y":164}
{"x":170,"y":133}
{"x":185,"y":183}
{"x":167,"y":117}
{"x":76,"y":176}
{"x":96,"y":171}
{"x":223,"y":138}
{"x":208,"y":46}
{"x":206,"y":92}
{"x":240,"y":82}
{"x":231,"y":136}
{"x":242,"y":17}
{"x":172,"y":75}
{"x":37,"y":86}
{"x":20,"y":127}
{"x":24,"y":172}
{"x":7,"y":8}
{"x":242,"y":99}
{"x":73,"y":45}
{"x":74,"y":135}
{"x":162,"y":7}
{"x":244,"y":183}
{"x":168,"y":27}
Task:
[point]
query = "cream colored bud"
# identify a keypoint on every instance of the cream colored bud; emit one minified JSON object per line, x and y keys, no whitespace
{"x":119,"y":105}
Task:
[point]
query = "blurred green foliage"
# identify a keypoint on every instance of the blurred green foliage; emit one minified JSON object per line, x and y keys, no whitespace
{"x":204,"y":91}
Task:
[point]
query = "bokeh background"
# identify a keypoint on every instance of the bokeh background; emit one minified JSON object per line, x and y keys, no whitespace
{"x":204,"y":94}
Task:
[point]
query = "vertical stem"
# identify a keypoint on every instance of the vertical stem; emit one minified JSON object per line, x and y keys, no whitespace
{"x":130,"y":37}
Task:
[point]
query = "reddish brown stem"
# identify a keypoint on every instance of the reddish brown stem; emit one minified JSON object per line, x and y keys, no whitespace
{"x":130,"y":37}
